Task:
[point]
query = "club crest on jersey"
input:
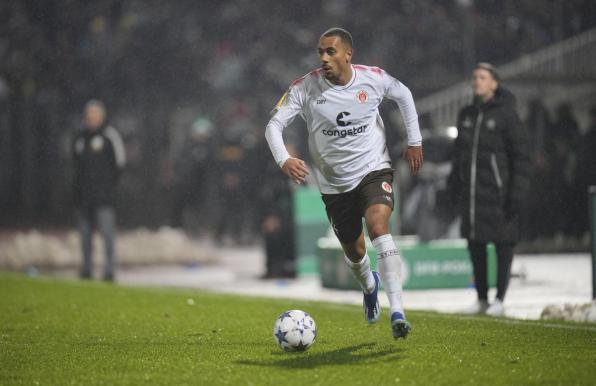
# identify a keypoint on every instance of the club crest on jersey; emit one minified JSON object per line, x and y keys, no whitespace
{"x":96,"y":143}
{"x":362,"y":96}
{"x":387,"y":187}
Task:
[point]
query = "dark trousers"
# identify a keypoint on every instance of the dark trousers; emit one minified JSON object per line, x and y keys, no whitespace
{"x":279,"y":242}
{"x":280,"y":256}
{"x":104,"y":218}
{"x":479,"y":263}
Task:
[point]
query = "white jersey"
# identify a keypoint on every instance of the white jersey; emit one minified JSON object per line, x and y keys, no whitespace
{"x":346,"y":135}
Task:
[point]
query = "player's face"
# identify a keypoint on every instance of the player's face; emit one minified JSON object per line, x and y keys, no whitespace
{"x":335,"y":57}
{"x":483,"y":83}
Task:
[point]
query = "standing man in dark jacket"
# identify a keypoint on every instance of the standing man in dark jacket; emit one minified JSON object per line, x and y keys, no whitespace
{"x":99,"y":157}
{"x":489,"y":179}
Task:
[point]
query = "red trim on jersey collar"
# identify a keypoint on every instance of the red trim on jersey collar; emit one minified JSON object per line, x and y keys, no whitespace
{"x":362,"y":67}
{"x":315,"y":72}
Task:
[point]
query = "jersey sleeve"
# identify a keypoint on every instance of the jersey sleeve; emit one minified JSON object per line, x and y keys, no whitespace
{"x":399,"y":93}
{"x":289,"y":105}
{"x":118,"y":146}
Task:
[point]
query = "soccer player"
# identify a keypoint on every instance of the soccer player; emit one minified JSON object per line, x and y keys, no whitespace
{"x":339,"y":102}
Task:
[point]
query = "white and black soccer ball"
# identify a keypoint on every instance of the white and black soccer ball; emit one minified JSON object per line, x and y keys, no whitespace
{"x":294,"y":330}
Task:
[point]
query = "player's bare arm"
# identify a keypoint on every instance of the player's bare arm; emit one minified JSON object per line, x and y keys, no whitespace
{"x":415,"y":157}
{"x":296,"y":169}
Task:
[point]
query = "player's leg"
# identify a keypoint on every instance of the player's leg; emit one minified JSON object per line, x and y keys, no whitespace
{"x":388,"y":258}
{"x":376,"y":197}
{"x":478,"y":257}
{"x":85,"y":220}
{"x":347,"y":225}
{"x":389,"y":264}
{"x":358,"y":261}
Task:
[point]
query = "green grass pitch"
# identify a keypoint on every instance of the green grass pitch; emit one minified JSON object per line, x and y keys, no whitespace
{"x":57,"y":332}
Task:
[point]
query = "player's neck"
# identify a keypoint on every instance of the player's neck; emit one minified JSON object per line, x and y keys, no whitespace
{"x":344,"y":78}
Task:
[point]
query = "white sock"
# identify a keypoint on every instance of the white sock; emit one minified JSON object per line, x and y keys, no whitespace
{"x":362,"y":273}
{"x":389,"y":265}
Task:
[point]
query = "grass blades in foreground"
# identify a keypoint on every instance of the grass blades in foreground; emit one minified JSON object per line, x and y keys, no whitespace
{"x":69,"y":332}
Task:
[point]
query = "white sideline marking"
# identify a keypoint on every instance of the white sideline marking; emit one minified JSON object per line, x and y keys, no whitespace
{"x":590,"y":328}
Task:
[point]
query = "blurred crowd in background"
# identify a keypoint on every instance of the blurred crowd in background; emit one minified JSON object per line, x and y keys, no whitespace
{"x":190,"y":84}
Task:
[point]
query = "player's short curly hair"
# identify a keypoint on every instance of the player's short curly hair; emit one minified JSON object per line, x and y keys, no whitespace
{"x":343,"y":34}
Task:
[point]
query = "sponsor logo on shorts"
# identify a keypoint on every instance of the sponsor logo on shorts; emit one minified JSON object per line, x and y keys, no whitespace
{"x":387,"y":187}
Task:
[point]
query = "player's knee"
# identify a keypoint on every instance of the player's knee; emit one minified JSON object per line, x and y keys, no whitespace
{"x":377,"y":229}
{"x":354,"y":251}
{"x":377,"y":220}
{"x":356,"y":254}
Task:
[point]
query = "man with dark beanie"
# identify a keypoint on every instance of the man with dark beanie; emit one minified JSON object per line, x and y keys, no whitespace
{"x":489,"y":179}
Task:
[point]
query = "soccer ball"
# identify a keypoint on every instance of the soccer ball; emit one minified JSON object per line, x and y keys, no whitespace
{"x":294,"y":330}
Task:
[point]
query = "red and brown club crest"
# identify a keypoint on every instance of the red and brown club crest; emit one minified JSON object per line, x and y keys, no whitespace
{"x":387,"y":187}
{"x":362,"y":96}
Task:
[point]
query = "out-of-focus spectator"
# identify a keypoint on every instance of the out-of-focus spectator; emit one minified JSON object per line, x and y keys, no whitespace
{"x":232,"y":156}
{"x":586,"y":170}
{"x":256,"y":165}
{"x":537,"y":222}
{"x":191,"y":169}
{"x":489,"y":179}
{"x":277,"y":220}
{"x":99,"y":157}
{"x":564,"y":139}
{"x":426,"y":206}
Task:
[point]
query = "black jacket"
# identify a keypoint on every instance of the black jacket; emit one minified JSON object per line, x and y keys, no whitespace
{"x":491,"y":169}
{"x":98,"y":159}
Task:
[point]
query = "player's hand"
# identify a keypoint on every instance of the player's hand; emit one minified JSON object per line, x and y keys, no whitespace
{"x":295,"y":169}
{"x":414,"y":157}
